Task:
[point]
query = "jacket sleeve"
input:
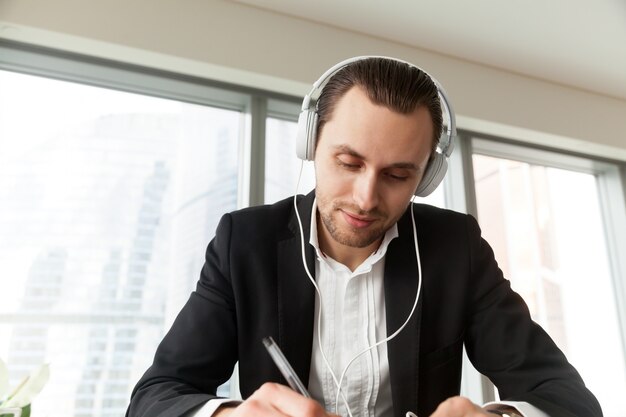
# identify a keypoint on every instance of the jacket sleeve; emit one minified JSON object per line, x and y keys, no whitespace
{"x":514,"y":352}
{"x":200,"y":350}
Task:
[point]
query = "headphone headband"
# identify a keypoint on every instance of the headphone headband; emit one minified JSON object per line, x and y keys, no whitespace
{"x":307,"y":125}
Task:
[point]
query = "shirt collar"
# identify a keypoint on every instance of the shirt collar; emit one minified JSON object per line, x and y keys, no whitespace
{"x":378,"y":254}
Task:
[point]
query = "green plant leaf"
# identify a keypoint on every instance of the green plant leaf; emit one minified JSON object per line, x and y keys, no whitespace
{"x":4,"y":381}
{"x":11,"y":412}
{"x":34,"y":384}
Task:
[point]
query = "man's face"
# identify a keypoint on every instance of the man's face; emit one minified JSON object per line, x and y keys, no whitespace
{"x":368,"y":163}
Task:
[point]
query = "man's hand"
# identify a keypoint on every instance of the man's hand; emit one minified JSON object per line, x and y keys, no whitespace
{"x":460,"y":407}
{"x":275,"y":400}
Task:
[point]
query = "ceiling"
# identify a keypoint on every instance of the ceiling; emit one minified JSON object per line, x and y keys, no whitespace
{"x":579,"y":43}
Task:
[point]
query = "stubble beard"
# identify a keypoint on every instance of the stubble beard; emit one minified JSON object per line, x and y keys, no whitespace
{"x":349,"y":236}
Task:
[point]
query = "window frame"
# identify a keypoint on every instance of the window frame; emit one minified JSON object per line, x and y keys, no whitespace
{"x":254,"y":105}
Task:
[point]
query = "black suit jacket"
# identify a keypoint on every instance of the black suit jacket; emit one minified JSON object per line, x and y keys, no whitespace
{"x":254,"y":285}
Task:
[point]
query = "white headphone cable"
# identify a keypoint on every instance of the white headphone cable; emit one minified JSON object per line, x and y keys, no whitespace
{"x":319,"y":317}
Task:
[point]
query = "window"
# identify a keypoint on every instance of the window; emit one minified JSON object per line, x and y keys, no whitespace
{"x":107,"y":202}
{"x":542,"y":215}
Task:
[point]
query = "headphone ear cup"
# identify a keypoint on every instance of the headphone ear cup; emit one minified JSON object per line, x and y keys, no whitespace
{"x":434,"y":174}
{"x":306,"y":137}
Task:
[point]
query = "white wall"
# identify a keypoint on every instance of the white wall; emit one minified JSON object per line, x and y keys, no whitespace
{"x":237,"y":43}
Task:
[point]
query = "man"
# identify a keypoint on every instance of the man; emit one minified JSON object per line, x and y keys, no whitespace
{"x":378,"y":123}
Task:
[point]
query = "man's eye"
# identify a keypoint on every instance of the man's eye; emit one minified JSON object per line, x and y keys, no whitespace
{"x":346,"y":165}
{"x":397,"y":177}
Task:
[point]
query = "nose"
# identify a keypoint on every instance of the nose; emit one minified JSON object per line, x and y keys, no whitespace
{"x":365,"y":192}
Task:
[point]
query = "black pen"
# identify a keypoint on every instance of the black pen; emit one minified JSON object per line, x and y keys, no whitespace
{"x":284,"y":367}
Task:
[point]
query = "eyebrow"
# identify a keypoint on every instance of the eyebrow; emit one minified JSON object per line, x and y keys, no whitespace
{"x":348,"y":150}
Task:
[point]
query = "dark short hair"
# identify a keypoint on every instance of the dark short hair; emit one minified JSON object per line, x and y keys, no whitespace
{"x":396,"y":85}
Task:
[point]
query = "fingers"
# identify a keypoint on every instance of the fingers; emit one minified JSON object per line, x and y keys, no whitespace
{"x":290,"y":402}
{"x":459,"y":407}
{"x":276,"y":400}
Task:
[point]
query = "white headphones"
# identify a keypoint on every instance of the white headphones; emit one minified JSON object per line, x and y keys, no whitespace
{"x":308,"y":119}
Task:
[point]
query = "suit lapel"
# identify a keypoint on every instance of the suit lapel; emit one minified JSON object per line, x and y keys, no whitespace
{"x":296,"y":294}
{"x":400,"y":290}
